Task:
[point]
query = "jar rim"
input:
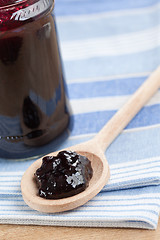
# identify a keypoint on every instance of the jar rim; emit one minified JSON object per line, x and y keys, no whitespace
{"x":22,"y":11}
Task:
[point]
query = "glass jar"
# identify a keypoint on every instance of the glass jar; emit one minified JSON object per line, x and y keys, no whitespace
{"x":33,"y":108}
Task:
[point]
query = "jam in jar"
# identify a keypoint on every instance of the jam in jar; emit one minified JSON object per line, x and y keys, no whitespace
{"x":33,"y":107}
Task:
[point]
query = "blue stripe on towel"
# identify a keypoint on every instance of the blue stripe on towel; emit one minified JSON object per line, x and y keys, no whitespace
{"x":106,"y":66}
{"x":72,"y":7}
{"x":105,"y":25}
{"x":85,"y":123}
{"x":116,"y":87}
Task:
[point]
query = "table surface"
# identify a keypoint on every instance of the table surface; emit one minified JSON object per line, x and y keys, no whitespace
{"x":17,"y":232}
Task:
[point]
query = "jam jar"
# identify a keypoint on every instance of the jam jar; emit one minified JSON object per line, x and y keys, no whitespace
{"x":34,"y":109}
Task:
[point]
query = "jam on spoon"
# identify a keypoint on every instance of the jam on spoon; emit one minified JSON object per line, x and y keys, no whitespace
{"x":64,"y":175}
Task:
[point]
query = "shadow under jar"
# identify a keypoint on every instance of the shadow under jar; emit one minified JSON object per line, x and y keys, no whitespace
{"x":33,"y":108}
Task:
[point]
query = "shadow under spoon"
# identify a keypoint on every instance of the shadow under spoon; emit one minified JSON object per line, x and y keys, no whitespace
{"x":94,"y":150}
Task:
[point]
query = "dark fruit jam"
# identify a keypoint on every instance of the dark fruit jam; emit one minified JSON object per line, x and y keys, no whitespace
{"x":63,"y":176}
{"x":33,"y":108}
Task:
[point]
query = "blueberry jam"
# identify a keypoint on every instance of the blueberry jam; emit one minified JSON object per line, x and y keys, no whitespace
{"x":64,"y":175}
{"x":33,"y":107}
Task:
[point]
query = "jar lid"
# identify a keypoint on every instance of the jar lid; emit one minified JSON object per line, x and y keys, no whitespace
{"x":14,"y":13}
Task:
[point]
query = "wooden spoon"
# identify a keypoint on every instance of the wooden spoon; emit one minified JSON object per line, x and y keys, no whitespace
{"x":94,"y":150}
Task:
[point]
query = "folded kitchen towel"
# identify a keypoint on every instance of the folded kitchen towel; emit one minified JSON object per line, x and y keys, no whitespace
{"x":137,"y":208}
{"x":108,"y":49}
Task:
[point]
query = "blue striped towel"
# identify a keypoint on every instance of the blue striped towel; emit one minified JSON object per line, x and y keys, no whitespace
{"x":108,"y":49}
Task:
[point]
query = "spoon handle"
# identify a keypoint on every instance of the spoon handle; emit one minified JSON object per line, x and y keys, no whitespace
{"x":121,"y":119}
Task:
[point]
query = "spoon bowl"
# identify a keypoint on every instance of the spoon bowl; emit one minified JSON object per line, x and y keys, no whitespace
{"x":100,"y":177}
{"x":94,"y":151}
